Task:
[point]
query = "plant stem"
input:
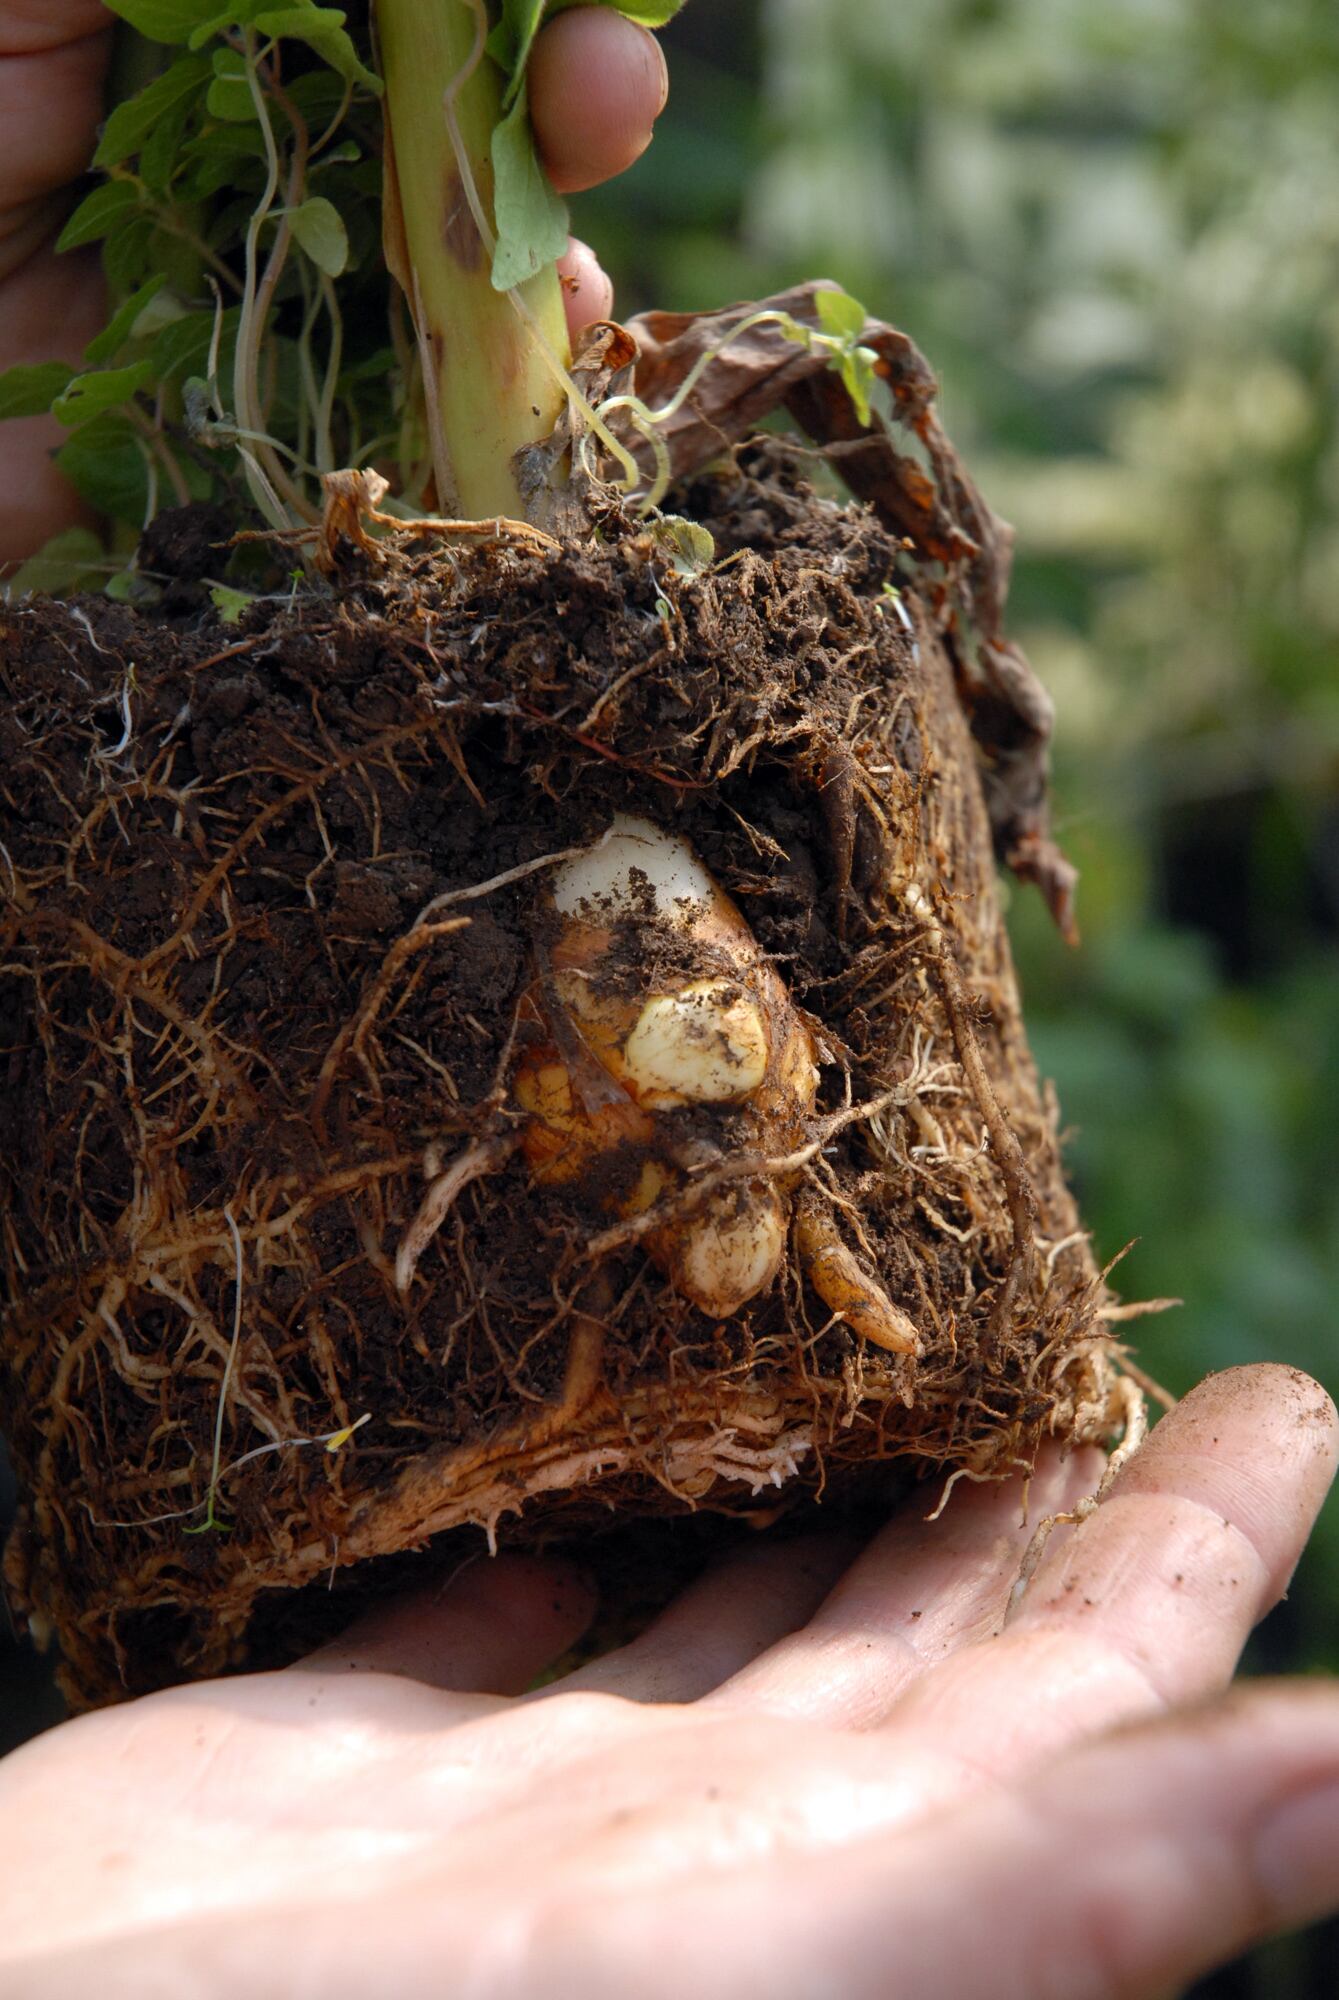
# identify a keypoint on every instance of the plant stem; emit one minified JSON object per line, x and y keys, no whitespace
{"x":487,"y":388}
{"x":265,"y":475}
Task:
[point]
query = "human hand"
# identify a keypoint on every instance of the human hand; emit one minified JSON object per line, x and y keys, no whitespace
{"x":812,"y":1774}
{"x":597,"y":84}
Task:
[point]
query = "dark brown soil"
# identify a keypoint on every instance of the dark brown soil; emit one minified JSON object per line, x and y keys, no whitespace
{"x":226,"y":1037}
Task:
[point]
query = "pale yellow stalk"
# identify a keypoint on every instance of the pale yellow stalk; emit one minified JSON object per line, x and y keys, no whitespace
{"x":488,"y":389}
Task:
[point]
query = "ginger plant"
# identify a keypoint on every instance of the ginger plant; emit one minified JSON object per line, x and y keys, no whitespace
{"x":550,"y":1003}
{"x":244,"y":196}
{"x":247,"y":193}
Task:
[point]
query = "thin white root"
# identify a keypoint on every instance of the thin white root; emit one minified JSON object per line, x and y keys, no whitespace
{"x":474,"y":890}
{"x":1129,"y":1398}
{"x":1138,"y":1309}
{"x":485,"y":1156}
{"x":969,"y":1473}
{"x":1151,"y":1387}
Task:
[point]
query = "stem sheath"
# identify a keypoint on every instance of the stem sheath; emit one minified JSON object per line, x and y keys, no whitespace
{"x":487,"y":389}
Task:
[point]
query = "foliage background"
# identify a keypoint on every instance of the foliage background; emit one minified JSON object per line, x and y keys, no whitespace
{"x":1115,"y":231}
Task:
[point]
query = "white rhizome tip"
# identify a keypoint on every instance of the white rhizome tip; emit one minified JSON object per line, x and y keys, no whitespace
{"x":598,"y":885}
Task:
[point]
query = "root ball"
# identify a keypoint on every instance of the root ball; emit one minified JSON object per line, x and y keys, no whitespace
{"x":557,"y":1011}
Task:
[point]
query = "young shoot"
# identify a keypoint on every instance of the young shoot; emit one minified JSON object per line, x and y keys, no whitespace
{"x":837,"y":339}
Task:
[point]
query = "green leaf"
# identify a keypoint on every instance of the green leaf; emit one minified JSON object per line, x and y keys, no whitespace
{"x":216,"y":24}
{"x":531,"y":220}
{"x":511,"y":41}
{"x":378,"y":366}
{"x":163,"y":20}
{"x":689,"y":546}
{"x":105,"y":461}
{"x":164,"y":309}
{"x":841,"y":315}
{"x":323,"y":30}
{"x":229,"y":96}
{"x":98,"y":214}
{"x":29,"y":391}
{"x":129,"y":587}
{"x":218,"y":21}
{"x":219,"y":158}
{"x":650,"y":13}
{"x":320,"y":230}
{"x":135,"y":121}
{"x":183,"y":348}
{"x":128,"y":254}
{"x":319,"y":95}
{"x":101,"y":389}
{"x":858,"y":380}
{"x":346,"y":154}
{"x":842,"y":320}
{"x":231,"y":605}
{"x":69,"y":562}
{"x":160,"y":155}
{"x":121,"y":326}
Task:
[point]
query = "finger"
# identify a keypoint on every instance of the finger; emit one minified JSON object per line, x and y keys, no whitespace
{"x":49,"y":311}
{"x":1125,"y":1870}
{"x":587,"y":292}
{"x":725,"y":1619}
{"x":489,"y":1630}
{"x":922,"y":1589}
{"x":1136,"y":1864}
{"x":598,"y":82}
{"x":1151,"y":1600}
{"x":53,"y":61}
{"x":28,"y":26}
{"x":1129,"y":1868}
{"x":50,"y":104}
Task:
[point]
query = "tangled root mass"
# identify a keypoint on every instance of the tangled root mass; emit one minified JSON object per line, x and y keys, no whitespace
{"x":273,"y":897}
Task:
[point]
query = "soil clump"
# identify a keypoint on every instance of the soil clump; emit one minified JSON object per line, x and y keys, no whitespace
{"x":273,"y":900}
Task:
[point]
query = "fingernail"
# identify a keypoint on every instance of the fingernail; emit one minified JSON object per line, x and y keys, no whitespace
{"x":1297,"y":1855}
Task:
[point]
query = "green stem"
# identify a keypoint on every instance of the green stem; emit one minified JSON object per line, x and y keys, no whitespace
{"x":325,"y":409}
{"x":265,"y":476}
{"x":488,"y":389}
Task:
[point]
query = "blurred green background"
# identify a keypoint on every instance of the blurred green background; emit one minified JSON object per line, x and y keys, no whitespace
{"x":1113,"y":226}
{"x":1114,"y":230}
